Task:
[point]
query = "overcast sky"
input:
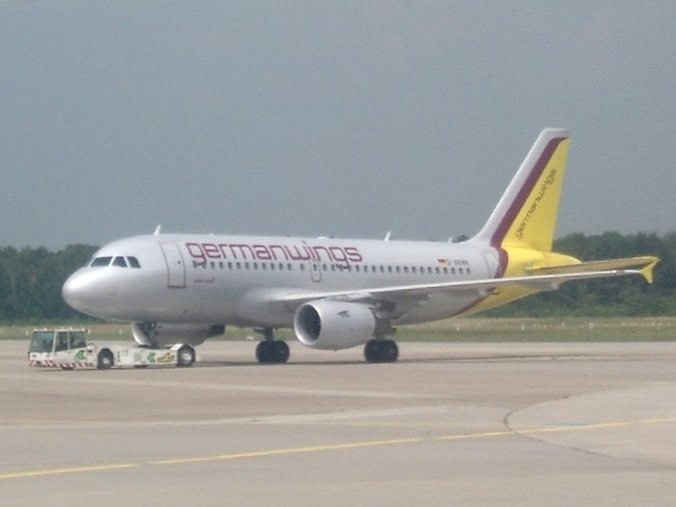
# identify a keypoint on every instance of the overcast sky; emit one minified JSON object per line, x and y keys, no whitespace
{"x":327,"y":118}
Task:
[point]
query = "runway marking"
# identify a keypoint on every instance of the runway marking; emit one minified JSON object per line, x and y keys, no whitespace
{"x":73,"y":470}
{"x":292,"y":450}
{"x":335,"y":447}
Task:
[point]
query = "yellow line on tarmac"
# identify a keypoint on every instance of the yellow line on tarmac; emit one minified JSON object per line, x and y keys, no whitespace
{"x":292,"y":450}
{"x":63,"y":471}
{"x":339,"y":447}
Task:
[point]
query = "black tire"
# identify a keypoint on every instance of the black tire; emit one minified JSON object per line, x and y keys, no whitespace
{"x":185,"y":356}
{"x":389,"y":351}
{"x":280,"y":352}
{"x":372,"y":351}
{"x":264,"y":352}
{"x":381,"y":351}
{"x":105,"y":360}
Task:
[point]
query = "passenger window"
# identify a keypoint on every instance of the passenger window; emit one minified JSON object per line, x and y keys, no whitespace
{"x":120,"y":262}
{"x":100,"y":262}
{"x":133,"y":262}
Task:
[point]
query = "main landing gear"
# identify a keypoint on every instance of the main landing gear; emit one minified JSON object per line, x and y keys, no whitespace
{"x":270,"y":350}
{"x":381,"y":350}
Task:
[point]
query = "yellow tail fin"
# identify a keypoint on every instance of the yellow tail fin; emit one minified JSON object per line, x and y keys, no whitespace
{"x":527,"y":212}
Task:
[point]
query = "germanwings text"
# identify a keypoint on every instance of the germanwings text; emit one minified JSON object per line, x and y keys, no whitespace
{"x":203,"y":252}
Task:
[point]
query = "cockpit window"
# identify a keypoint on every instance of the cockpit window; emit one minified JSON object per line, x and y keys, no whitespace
{"x":133,"y":262}
{"x":100,"y":262}
{"x":120,"y":262}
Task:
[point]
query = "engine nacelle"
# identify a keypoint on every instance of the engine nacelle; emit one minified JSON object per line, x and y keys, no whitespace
{"x":164,"y":335}
{"x":333,"y":325}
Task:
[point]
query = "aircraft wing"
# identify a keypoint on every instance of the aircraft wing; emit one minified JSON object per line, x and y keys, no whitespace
{"x":646,"y":265}
{"x":549,"y":281}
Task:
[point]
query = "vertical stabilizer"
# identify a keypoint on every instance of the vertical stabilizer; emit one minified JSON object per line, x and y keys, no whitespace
{"x":527,"y":212}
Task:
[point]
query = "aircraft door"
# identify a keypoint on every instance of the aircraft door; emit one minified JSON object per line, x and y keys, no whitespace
{"x":316,"y":271}
{"x":175,"y":265}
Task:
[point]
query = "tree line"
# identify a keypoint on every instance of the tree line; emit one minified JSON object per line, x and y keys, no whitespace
{"x":31,"y":280}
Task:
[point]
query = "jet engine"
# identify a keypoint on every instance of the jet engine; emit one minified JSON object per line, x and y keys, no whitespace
{"x":164,"y":335}
{"x":333,"y":325}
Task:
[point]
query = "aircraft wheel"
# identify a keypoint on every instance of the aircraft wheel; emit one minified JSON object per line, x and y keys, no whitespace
{"x":381,"y":351}
{"x":372,"y":351}
{"x":389,"y":351}
{"x":264,"y":352}
{"x":105,"y":360}
{"x":280,"y":352}
{"x":185,"y":356}
{"x":272,"y":352}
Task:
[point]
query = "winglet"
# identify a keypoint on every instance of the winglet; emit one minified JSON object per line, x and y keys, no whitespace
{"x":647,"y":272}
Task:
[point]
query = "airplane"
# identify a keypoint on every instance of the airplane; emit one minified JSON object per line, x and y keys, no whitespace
{"x":339,"y":293}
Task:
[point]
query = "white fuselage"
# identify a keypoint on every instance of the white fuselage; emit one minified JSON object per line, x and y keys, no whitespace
{"x":239,"y":279}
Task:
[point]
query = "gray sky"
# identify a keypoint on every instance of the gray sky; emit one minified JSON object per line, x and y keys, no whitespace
{"x":327,"y":118}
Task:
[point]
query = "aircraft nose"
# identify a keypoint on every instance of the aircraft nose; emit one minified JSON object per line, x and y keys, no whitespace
{"x":75,"y":291}
{"x":85,"y":292}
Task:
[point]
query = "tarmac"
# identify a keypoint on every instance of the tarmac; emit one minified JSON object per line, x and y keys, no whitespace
{"x":449,"y":424}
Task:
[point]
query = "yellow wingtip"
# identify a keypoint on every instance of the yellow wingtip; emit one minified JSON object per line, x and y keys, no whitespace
{"x":647,"y":272}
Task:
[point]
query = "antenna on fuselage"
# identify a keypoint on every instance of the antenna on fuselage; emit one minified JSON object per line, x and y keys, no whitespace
{"x":158,"y":229}
{"x":388,"y":236}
